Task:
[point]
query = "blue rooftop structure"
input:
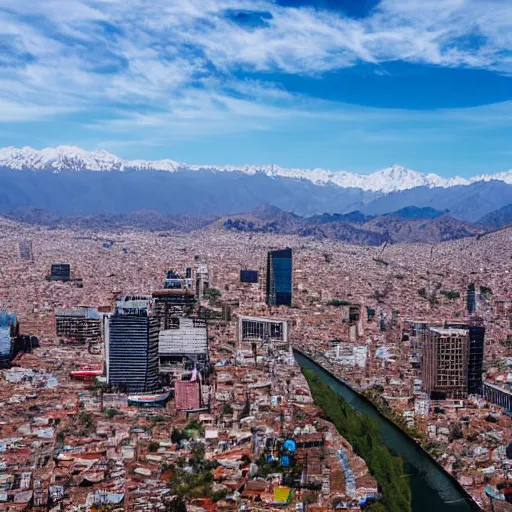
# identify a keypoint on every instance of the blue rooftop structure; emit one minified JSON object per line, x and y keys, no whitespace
{"x":8,"y":330}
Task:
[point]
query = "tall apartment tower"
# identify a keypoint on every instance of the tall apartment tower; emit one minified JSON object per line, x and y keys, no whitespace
{"x":476,"y":331}
{"x":132,"y":351}
{"x":445,"y":363}
{"x":279,"y":278}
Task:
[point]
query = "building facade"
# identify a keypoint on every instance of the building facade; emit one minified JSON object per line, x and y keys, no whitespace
{"x":185,"y":338}
{"x":476,"y":332}
{"x":78,"y":325}
{"x":132,"y":353}
{"x":445,"y":363}
{"x":169,"y":303}
{"x":261,"y":330}
{"x":9,"y":332}
{"x":497,"y":395}
{"x":248,"y":276}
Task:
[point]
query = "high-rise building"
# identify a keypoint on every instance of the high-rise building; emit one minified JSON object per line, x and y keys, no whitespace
{"x":476,"y":331}
{"x":132,"y":350}
{"x":279,"y":278}
{"x":262,"y":330}
{"x":471,"y":298}
{"x":445,"y":363}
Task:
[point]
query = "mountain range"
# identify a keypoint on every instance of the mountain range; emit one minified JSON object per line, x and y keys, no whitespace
{"x":391,"y":179}
{"x":407,"y":225}
{"x":69,"y":181}
{"x":410,"y":224}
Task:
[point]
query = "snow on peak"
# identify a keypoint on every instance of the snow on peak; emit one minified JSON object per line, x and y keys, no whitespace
{"x":505,"y":176}
{"x":71,"y":158}
{"x":61,"y":158}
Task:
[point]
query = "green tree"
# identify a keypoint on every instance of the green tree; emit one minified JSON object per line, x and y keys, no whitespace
{"x":176,"y":505}
{"x":363,"y":434}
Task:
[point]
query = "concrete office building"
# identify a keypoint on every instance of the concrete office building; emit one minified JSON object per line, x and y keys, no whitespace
{"x":445,"y":363}
{"x":476,"y":331}
{"x":78,"y":325}
{"x":185,"y":338}
{"x":262,"y":330}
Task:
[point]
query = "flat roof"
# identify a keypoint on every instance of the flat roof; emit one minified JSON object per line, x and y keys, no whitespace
{"x":262,"y":319}
{"x":449,"y":331}
{"x":172,"y":291}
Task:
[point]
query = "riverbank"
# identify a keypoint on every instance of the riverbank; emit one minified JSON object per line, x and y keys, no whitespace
{"x":456,"y":498}
{"x":363,"y":434}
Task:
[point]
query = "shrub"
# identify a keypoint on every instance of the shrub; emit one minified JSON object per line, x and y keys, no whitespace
{"x":450,"y":294}
{"x":337,"y":302}
{"x":153,"y":446}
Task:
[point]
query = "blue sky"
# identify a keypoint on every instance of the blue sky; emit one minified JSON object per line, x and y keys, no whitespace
{"x":339,"y":84}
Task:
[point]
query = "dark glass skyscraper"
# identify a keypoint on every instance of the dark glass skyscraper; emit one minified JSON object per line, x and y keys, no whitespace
{"x":133,"y":351}
{"x":471,"y":298}
{"x":279,"y":278}
{"x":476,"y":358}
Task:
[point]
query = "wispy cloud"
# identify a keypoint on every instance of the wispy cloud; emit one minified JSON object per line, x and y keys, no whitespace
{"x":177,"y":63}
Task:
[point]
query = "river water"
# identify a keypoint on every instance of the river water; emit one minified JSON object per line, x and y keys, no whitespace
{"x":432,"y":490}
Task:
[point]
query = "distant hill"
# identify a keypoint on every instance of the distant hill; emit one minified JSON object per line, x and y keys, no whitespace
{"x":466,"y":202}
{"x":433,"y":230}
{"x":425,"y":225}
{"x":355,"y":217}
{"x":353,"y":228}
{"x":497,"y":219}
{"x":146,"y":220}
{"x":416,"y":213}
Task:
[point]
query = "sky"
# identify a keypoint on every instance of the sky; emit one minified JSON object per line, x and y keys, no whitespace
{"x":338,"y":84}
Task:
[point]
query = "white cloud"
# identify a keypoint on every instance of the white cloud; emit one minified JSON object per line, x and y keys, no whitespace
{"x":164,"y":62}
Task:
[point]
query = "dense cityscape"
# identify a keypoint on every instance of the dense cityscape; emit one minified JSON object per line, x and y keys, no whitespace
{"x":255,"y":255}
{"x":153,"y":371}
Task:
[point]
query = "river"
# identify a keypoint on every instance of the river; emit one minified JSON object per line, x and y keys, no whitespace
{"x":432,"y":490}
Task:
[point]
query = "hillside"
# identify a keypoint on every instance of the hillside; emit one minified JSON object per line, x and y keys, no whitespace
{"x":497,"y":219}
{"x":427,"y":225}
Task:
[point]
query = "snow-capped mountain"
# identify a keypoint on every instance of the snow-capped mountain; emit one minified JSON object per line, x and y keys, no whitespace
{"x":70,"y":158}
{"x":71,"y":181}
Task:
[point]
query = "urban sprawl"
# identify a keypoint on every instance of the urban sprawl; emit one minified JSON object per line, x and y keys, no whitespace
{"x":157,"y":371}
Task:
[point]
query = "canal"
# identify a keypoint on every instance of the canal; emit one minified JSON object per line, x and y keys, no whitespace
{"x":432,"y":490}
